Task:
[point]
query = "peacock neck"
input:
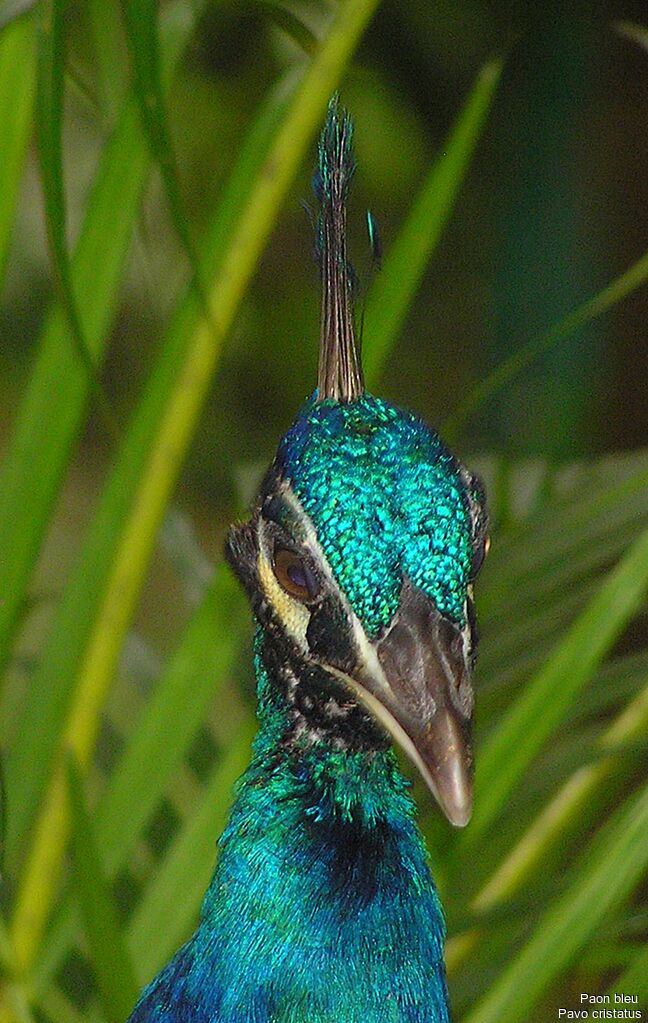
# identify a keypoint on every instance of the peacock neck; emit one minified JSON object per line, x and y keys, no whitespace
{"x":322,"y":903}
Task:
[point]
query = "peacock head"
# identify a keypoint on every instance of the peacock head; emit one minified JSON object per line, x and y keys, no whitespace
{"x":362,"y":549}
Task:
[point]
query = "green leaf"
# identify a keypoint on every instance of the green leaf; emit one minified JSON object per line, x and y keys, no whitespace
{"x":203,"y":660}
{"x":12,"y":10}
{"x":606,"y":299}
{"x":631,"y":30}
{"x":55,"y":402}
{"x":141,"y":20}
{"x":393,"y":290}
{"x":169,"y":909}
{"x":109,"y":53}
{"x":547,"y":698}
{"x":49,"y":127}
{"x":606,"y":875}
{"x":17,"y":81}
{"x":13,"y":991}
{"x":288,"y":22}
{"x":42,"y":718}
{"x":59,"y":1008}
{"x":111,"y":963}
{"x":568,"y":811}
{"x":634,"y":980}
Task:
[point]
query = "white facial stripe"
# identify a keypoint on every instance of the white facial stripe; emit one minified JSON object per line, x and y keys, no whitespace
{"x":294,"y":615}
{"x":367,"y":656}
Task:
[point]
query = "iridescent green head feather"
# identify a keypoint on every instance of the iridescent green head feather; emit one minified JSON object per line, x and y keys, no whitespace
{"x":387,"y":500}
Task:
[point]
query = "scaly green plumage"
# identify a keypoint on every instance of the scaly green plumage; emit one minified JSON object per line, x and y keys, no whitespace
{"x":386,"y":497}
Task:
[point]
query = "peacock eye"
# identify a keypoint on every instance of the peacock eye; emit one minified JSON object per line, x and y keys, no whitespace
{"x":294,"y":575}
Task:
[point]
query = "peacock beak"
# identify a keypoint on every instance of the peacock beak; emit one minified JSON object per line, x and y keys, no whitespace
{"x":419,"y":687}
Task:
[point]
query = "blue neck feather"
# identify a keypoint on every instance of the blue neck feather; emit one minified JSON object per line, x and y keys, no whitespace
{"x":322,"y":908}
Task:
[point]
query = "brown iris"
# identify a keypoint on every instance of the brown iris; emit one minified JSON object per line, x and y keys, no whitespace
{"x":294,"y":575}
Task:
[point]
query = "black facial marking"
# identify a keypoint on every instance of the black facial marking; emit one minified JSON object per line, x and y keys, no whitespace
{"x":476,"y":495}
{"x":273,"y":509}
{"x":321,"y":708}
{"x":328,"y":634}
{"x":241,"y":553}
{"x":474,"y":633}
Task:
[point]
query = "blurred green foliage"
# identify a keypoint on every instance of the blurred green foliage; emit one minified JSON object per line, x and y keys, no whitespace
{"x":158,"y":331}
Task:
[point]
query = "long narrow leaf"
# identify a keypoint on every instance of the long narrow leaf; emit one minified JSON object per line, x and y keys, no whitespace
{"x":49,"y":129}
{"x":394,"y":288}
{"x":109,"y":53}
{"x":110,"y":960}
{"x":606,"y":877}
{"x":547,"y":697}
{"x":17,"y":80}
{"x":14,"y":995}
{"x":606,"y":299}
{"x":141,"y":20}
{"x":43,"y":714}
{"x":169,"y":909}
{"x":32,"y":472}
{"x":55,"y":401}
{"x":564,"y":810}
{"x":203,"y":659}
{"x":634,"y":980}
{"x":59,"y":1008}
{"x":12,"y":10}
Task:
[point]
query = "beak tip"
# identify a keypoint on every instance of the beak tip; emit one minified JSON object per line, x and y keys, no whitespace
{"x":453,"y":788}
{"x":459,"y":816}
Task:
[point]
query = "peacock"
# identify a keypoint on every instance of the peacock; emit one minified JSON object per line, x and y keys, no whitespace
{"x":358,"y":560}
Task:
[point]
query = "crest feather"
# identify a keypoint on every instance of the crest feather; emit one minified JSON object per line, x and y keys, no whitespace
{"x":340,"y":370}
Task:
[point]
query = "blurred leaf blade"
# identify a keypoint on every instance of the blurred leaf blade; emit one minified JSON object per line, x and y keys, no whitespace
{"x":395,"y":286}
{"x":56,"y":396}
{"x":546,"y":698}
{"x":290,"y":23}
{"x":203,"y":659}
{"x":110,"y":960}
{"x":141,"y":20}
{"x":634,"y":32}
{"x":17,"y":87}
{"x":49,"y":121}
{"x":49,"y":129}
{"x":602,"y":302}
{"x":197,"y":670}
{"x":43,"y":715}
{"x":564,"y":811}
{"x":165,"y":915}
{"x":606,"y":876}
{"x":634,"y":980}
{"x":106,"y":31}
{"x":13,"y":990}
